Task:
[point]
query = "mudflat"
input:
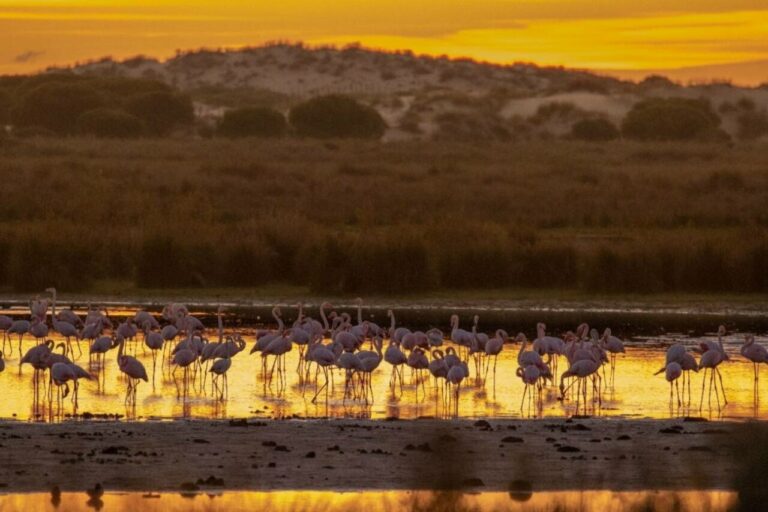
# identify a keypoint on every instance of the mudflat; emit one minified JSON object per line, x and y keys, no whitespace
{"x":249,"y":454}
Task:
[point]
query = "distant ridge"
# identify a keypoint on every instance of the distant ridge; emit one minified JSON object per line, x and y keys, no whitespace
{"x":419,"y":96}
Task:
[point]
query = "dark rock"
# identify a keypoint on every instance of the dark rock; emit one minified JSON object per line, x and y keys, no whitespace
{"x":512,"y":439}
{"x":568,"y":449}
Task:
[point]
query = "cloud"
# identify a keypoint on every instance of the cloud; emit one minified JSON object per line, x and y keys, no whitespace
{"x":27,"y":56}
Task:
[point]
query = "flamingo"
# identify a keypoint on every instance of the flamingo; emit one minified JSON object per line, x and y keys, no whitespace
{"x":219,"y":369}
{"x":66,"y":329}
{"x":39,"y":329}
{"x":580,"y":369}
{"x":99,"y":348}
{"x":396,"y":333}
{"x":461,"y":337}
{"x":184,"y":356}
{"x":672,"y":373}
{"x":713,"y":356}
{"x":369,"y":362}
{"x":550,"y":345}
{"x":456,"y":374}
{"x":418,"y":362}
{"x":493,"y":348}
{"x":20,"y":327}
{"x":438,"y":367}
{"x":278,"y":347}
{"x":530,"y":376}
{"x":757,"y":354}
{"x":133,"y":369}
{"x":613,"y":346}
{"x":397,"y":358}
{"x":38,"y":308}
{"x":154,"y":341}
{"x":5,"y":324}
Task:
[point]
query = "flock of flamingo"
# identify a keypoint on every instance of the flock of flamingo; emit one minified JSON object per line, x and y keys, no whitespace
{"x":336,"y":343}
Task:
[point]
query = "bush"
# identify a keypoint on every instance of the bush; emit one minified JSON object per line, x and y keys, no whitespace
{"x":105,"y":122}
{"x":336,"y":116}
{"x":253,"y":122}
{"x":752,"y":124}
{"x":671,"y":119}
{"x":594,"y":130}
{"x":162,"y":111}
{"x":56,"y":106}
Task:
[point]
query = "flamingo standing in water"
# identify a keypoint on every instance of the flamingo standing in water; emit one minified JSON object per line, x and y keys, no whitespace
{"x":757,"y":354}
{"x":672,"y":373}
{"x":581,"y":370}
{"x":613,"y":346}
{"x":397,"y":358}
{"x":219,"y":369}
{"x":456,"y":374}
{"x":714,"y":354}
{"x":20,"y":327}
{"x":493,"y":348}
{"x":66,"y":329}
{"x":133,"y":369}
{"x":5,"y":324}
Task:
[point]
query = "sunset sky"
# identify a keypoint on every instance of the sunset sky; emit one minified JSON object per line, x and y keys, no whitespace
{"x":731,"y":35}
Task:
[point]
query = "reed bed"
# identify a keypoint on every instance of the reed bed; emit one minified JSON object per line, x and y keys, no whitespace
{"x":365,"y":217}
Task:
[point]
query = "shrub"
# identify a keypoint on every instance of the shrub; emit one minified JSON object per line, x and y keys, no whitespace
{"x":162,"y":111}
{"x":594,"y":130}
{"x":105,"y":122}
{"x":752,"y":124}
{"x":253,"y":122}
{"x":670,"y":119}
{"x":336,"y":116}
{"x":56,"y":106}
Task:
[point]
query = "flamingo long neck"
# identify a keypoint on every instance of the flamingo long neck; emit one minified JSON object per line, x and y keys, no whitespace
{"x":280,"y":325}
{"x":359,"y":314}
{"x":324,"y":318}
{"x":53,"y":314}
{"x":522,"y":349}
{"x":540,"y":333}
{"x":120,"y":350}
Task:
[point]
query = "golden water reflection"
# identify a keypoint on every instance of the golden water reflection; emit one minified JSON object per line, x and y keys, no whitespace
{"x":380,"y":501}
{"x":636,"y":392}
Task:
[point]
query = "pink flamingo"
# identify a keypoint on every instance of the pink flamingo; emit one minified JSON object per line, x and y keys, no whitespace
{"x":64,"y":328}
{"x":20,"y":327}
{"x":672,"y":373}
{"x":757,"y":354}
{"x":133,"y":369}
{"x":713,"y":356}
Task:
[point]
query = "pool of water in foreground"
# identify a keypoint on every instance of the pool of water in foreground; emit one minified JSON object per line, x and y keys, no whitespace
{"x":379,"y":501}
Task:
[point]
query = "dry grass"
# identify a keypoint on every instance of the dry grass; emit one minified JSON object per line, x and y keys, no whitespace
{"x":370,"y":217}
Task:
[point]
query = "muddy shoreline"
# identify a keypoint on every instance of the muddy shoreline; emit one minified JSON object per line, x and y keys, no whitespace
{"x":627,"y":317}
{"x":482,"y":455}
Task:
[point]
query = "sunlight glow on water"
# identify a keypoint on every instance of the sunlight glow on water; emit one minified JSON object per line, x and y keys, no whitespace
{"x":636,"y":392}
{"x":381,"y":501}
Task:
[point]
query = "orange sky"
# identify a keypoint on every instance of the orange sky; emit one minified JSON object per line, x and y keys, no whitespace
{"x":595,"y":34}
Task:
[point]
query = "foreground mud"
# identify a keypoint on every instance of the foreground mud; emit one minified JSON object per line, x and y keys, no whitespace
{"x":556,"y":454}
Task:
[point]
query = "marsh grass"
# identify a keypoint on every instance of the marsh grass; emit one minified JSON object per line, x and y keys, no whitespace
{"x":364,"y":217}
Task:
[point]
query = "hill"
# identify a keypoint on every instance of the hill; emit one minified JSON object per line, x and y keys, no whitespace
{"x":419,"y":96}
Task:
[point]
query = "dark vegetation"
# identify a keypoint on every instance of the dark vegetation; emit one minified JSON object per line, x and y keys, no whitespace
{"x":252,"y":122}
{"x":658,"y":119}
{"x":336,"y":116}
{"x":67,"y":104}
{"x":364,"y":217}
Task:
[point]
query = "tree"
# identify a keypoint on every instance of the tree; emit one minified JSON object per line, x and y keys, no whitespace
{"x":597,"y":129}
{"x":161,"y":111}
{"x":56,"y":106}
{"x":106,"y":122}
{"x":336,"y":116}
{"x":671,"y":119}
{"x":253,"y":122}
